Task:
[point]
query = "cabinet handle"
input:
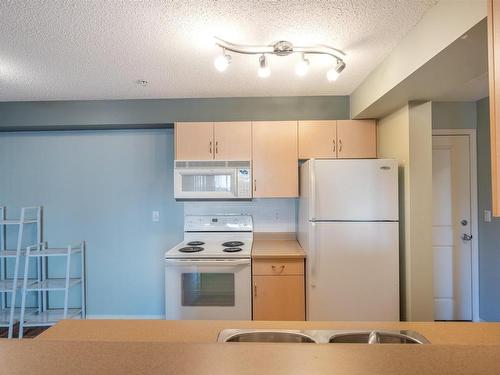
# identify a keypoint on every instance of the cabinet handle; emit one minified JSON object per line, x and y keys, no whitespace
{"x":254,"y":185}
{"x":210,"y":147}
{"x":255,"y":290}
{"x":216,"y":147}
{"x":281,"y":268}
{"x":340,"y":145}
{"x":334,"y":146}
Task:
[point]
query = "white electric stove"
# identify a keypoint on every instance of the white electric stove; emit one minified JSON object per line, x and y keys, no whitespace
{"x":208,"y":275}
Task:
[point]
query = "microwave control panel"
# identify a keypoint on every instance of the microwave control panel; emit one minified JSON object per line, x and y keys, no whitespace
{"x":244,"y":183}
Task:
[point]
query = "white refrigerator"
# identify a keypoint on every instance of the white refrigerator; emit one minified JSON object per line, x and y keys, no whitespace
{"x":348,"y":227}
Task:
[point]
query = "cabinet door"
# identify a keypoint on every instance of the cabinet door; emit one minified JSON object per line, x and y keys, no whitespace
{"x":194,"y":140}
{"x":274,"y":152}
{"x":317,"y":139}
{"x":233,"y":140}
{"x":356,"y":139}
{"x":278,"y":298}
{"x":494,"y":101}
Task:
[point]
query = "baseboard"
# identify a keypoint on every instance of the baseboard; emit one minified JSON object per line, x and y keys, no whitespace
{"x":131,"y":317}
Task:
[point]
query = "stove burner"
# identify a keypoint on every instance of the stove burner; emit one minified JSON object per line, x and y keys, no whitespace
{"x":196,"y":243}
{"x":190,"y":249}
{"x":233,"y":244}
{"x":232,"y":249}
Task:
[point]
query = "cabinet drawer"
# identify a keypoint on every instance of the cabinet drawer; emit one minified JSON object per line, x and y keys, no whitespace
{"x":278,"y":267}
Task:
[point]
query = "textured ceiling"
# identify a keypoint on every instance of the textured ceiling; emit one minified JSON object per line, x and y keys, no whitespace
{"x":97,"y":49}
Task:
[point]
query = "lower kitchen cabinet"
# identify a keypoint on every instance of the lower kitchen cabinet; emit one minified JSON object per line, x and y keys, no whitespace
{"x":278,"y":294}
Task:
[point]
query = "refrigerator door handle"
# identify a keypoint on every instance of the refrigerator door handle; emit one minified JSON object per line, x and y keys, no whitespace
{"x":312,"y":193}
{"x":312,"y":253}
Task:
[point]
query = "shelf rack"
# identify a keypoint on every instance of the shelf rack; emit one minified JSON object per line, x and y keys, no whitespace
{"x":29,"y":215}
{"x":43,"y":285}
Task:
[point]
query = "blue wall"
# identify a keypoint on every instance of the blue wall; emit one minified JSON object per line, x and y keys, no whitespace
{"x":101,"y":187}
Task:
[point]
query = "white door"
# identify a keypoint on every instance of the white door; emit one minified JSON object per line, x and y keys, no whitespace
{"x":355,"y":190}
{"x":353,"y":271}
{"x":452,"y":246}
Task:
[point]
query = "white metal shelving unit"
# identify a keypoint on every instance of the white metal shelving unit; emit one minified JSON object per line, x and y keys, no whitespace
{"x":9,"y":314}
{"x":43,"y":285}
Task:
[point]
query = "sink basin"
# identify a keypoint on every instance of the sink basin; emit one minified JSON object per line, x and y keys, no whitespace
{"x":237,"y":335}
{"x":378,"y":337}
{"x":322,"y":336}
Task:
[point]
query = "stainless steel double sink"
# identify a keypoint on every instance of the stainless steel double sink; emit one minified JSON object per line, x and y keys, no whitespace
{"x":374,"y":336}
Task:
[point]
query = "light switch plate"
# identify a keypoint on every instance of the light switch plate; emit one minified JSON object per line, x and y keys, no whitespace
{"x":487,"y":216}
{"x":156,"y":216}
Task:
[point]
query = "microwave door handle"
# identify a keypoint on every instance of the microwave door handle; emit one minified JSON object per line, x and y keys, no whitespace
{"x":222,"y":263}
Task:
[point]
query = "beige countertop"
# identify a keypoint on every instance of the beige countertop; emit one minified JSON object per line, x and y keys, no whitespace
{"x":21,"y":357}
{"x":276,"y":245}
{"x":199,"y":331}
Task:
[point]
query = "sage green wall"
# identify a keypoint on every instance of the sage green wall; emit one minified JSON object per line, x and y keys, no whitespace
{"x":489,"y":233}
{"x":475,"y":115}
{"x":160,"y":113}
{"x":454,"y":115}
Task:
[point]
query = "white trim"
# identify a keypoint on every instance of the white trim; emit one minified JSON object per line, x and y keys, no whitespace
{"x":132,"y":317}
{"x":474,"y":213}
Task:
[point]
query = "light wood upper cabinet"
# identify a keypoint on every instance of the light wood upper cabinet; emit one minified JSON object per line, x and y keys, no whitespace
{"x":356,"y":139}
{"x":233,"y":140}
{"x":274,"y":151}
{"x":317,"y":139}
{"x":194,"y":141}
{"x":213,"y":140}
{"x":494,"y":87}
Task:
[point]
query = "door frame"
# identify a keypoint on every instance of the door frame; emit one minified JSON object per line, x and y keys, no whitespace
{"x":471,"y":133}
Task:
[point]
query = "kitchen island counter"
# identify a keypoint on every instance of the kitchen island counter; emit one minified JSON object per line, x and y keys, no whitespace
{"x":199,"y":331}
{"x":55,"y":357}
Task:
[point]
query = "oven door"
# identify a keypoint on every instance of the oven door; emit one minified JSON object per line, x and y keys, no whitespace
{"x":208,"y":289}
{"x":206,"y":183}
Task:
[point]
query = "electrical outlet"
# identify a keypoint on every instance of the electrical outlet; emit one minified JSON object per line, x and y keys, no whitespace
{"x":487,"y":216}
{"x":156,"y":216}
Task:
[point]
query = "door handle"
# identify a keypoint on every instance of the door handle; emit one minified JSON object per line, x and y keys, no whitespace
{"x":278,"y":269}
{"x":210,"y":147}
{"x":334,"y":145}
{"x":216,"y":147}
{"x":466,"y":237}
{"x":340,"y":145}
{"x":255,"y":290}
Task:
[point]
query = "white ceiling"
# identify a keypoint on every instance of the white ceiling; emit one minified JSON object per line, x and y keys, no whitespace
{"x":77,"y":49}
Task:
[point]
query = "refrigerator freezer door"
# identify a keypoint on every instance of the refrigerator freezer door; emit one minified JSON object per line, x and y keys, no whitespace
{"x":353,"y":273}
{"x":354,"y":190}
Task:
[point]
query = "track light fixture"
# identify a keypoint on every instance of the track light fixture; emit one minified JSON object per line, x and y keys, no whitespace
{"x":221,"y":62}
{"x":281,"y":48}
{"x":264,"y":70}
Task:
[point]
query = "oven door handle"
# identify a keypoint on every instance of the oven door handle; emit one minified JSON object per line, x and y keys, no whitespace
{"x":211,"y":262}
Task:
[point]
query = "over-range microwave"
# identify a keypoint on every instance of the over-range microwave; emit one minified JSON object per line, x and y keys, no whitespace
{"x":212,"y":179}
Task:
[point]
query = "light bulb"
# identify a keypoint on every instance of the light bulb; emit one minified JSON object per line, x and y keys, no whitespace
{"x":334,"y":73}
{"x":264,"y":70}
{"x":222,"y":62}
{"x":302,"y":67}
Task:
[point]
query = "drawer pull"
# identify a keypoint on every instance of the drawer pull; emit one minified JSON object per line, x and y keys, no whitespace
{"x":281,"y":268}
